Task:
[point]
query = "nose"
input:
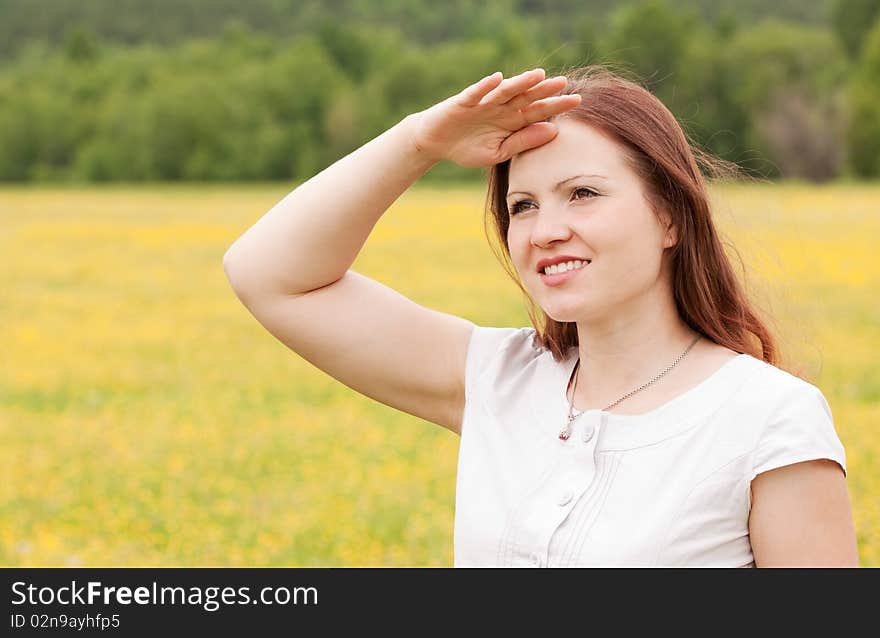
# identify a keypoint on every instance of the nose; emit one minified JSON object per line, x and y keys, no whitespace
{"x":549,"y":226}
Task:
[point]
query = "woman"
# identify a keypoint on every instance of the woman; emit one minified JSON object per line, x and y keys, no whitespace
{"x":630,"y":426}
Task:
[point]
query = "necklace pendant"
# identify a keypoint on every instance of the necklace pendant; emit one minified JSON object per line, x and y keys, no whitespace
{"x":564,"y":433}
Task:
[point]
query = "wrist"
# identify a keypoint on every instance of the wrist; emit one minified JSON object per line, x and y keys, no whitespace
{"x":414,"y":150}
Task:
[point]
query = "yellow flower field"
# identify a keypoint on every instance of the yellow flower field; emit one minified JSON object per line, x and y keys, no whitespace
{"x":147,"y":419}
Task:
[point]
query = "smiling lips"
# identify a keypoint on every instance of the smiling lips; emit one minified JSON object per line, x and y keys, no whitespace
{"x":558,"y":259}
{"x":563,"y":266}
{"x":558,"y":274}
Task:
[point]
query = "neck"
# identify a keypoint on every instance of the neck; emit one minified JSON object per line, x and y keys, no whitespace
{"x":616,"y":359}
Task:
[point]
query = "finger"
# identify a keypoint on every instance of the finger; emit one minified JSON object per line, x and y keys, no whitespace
{"x":539,"y":91}
{"x":475,"y":92}
{"x":529,"y":137}
{"x":512,"y":86}
{"x":542,"y":109}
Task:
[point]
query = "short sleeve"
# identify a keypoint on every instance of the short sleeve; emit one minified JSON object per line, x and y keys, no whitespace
{"x":801,"y":429}
{"x":485,"y":345}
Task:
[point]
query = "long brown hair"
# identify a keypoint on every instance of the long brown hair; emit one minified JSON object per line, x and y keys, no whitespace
{"x":708,"y":296}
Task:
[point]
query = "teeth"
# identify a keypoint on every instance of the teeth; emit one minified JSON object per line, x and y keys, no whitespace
{"x":564,"y":266}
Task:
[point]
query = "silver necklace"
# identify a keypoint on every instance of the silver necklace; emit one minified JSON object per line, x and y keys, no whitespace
{"x":565,"y":432}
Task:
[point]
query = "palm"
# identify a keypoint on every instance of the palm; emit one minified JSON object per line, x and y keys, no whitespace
{"x":489,"y":122}
{"x":469,"y":142}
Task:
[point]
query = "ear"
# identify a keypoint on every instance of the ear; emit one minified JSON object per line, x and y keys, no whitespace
{"x":670,"y":238}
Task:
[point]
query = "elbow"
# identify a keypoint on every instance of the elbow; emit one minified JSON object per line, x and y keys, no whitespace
{"x":247,"y":280}
{"x":227,"y":265}
{"x":227,"y":260}
{"x":233,"y":272}
{"x":247,"y":285}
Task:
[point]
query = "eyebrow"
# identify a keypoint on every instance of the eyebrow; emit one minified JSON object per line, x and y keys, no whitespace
{"x":560,"y":184}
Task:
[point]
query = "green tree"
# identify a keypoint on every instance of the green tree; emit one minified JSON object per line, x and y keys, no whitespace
{"x":863,"y":135}
{"x":348,"y":46}
{"x":851,"y":20}
{"x":80,"y":44}
{"x":705,"y":101}
{"x":768,"y":63}
{"x":650,"y":37}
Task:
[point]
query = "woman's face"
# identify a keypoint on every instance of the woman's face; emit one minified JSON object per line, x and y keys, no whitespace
{"x":598,"y":213}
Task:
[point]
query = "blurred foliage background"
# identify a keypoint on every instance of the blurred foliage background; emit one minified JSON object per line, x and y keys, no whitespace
{"x":127,"y":90}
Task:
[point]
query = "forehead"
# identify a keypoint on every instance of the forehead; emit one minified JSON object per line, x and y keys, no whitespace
{"x":577,"y":148}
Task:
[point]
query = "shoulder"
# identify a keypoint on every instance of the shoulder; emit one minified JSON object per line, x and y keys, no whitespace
{"x":783,"y":391}
{"x":487,"y":341}
{"x":495,"y":353}
{"x":797,"y":423}
{"x":492,"y":344}
{"x":766,"y":407}
{"x":484,"y":335}
{"x":761,"y":382}
{"x":775,"y":400}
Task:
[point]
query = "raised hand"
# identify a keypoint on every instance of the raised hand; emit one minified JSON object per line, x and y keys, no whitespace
{"x":492,"y":120}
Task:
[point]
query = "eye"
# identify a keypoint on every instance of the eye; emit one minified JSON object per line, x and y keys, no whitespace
{"x":517,"y":207}
{"x":584,"y":190}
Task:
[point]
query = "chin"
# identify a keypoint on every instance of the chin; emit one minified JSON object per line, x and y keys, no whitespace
{"x":576,"y":308}
{"x":564,"y":313}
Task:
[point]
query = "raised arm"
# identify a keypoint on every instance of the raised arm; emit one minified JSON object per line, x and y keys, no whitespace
{"x":311,"y":237}
{"x":291,"y":268}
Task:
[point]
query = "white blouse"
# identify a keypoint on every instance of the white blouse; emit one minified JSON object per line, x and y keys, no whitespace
{"x":665,"y":488}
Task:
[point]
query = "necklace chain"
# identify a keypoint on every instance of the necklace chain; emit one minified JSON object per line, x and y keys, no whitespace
{"x":573,"y":414}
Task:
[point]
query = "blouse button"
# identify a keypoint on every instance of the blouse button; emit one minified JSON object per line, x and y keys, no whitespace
{"x":564,"y":498}
{"x":536,"y":559}
{"x":589,"y":432}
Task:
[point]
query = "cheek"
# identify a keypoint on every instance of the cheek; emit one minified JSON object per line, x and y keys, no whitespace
{"x":622,"y":232}
{"x":517,"y":244}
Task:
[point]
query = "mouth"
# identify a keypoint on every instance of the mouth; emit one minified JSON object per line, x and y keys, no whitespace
{"x":572,"y":264}
{"x":558,"y":274}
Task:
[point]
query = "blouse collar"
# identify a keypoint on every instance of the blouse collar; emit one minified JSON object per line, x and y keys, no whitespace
{"x":626,"y":431}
